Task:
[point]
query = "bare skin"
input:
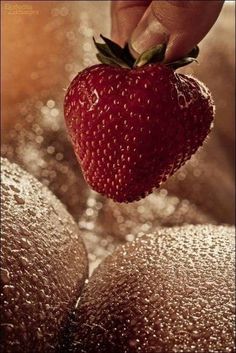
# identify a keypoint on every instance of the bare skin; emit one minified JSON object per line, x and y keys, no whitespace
{"x":180,"y":24}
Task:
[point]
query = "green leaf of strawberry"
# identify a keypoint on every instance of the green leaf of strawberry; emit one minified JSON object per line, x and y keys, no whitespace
{"x":153,"y":55}
{"x":112,"y":54}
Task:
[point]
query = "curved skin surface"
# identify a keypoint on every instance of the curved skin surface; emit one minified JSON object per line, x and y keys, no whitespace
{"x":170,"y":291}
{"x":40,"y":146}
{"x":43,"y":264}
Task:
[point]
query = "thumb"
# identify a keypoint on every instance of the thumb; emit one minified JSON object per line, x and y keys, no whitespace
{"x":180,"y":24}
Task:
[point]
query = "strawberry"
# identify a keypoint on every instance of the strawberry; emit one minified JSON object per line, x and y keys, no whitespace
{"x":134,"y":123}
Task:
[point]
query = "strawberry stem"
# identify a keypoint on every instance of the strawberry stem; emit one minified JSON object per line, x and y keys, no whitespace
{"x":110,"y":53}
{"x":153,"y":55}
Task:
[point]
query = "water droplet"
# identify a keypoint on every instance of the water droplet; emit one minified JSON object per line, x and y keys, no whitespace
{"x":14,"y":188}
{"x":8,"y":289}
{"x":133,"y":343}
{"x":5,"y":275}
{"x":7,"y":326}
{"x":24,"y":261}
{"x":50,"y":103}
{"x":31,"y":212}
{"x":19,"y":199}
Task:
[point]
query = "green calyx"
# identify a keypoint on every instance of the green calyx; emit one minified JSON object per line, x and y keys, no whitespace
{"x":112,"y":54}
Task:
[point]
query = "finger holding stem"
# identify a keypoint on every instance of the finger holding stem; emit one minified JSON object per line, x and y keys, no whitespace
{"x":181,"y":25}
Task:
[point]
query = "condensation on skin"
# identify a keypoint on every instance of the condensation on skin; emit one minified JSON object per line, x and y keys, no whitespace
{"x":106,"y":224}
{"x":43,"y":263}
{"x":160,"y":209}
{"x":169,"y":291}
{"x":205,"y":180}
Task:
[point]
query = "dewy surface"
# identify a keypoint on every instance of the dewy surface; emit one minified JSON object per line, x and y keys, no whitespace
{"x":40,"y":58}
{"x":43,"y":264}
{"x":169,"y":291}
{"x":57,"y":43}
{"x":106,"y":224}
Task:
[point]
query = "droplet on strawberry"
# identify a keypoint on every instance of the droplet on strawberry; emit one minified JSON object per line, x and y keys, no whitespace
{"x":134,"y":123}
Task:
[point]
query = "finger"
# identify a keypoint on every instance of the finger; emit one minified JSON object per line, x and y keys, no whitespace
{"x":180,"y":24}
{"x":125,"y":16}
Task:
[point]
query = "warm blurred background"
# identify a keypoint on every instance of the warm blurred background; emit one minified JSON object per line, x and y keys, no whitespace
{"x":44,"y":45}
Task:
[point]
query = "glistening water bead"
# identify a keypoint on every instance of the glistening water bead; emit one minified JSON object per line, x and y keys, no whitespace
{"x":43,"y":264}
{"x":169,"y":291}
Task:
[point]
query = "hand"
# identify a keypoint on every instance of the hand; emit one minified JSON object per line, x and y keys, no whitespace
{"x":180,"y":24}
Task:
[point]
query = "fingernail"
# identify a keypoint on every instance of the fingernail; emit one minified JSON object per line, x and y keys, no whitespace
{"x":147,"y":34}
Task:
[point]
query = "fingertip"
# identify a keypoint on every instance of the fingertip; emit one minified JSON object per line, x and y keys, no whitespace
{"x":133,"y":52}
{"x":179,"y":45}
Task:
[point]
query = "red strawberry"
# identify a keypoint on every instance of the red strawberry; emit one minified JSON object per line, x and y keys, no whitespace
{"x":132,"y":127}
